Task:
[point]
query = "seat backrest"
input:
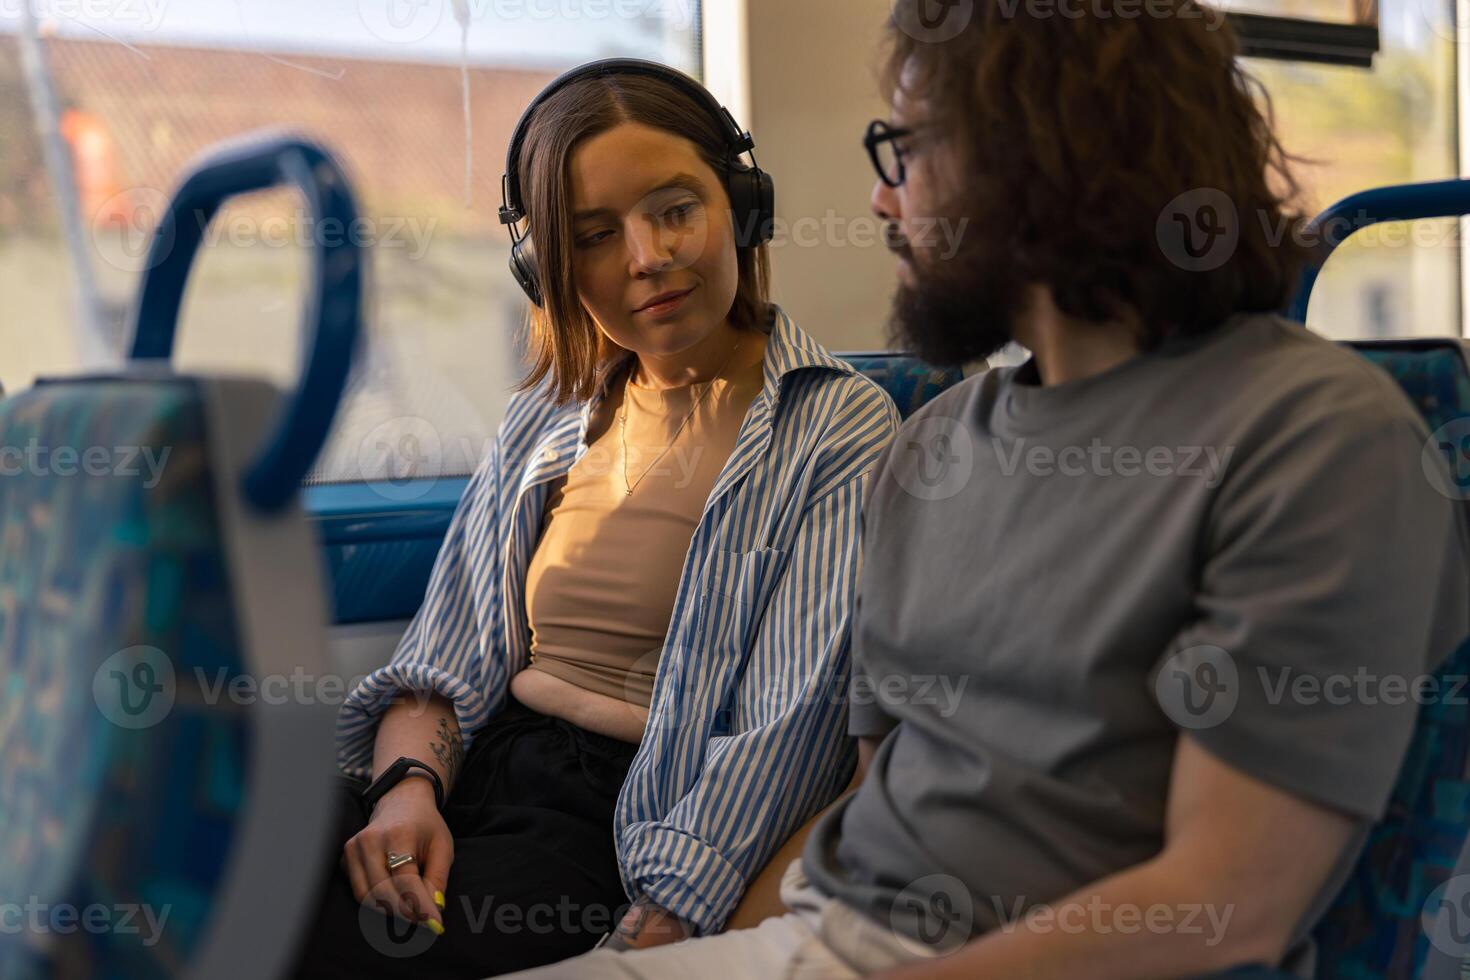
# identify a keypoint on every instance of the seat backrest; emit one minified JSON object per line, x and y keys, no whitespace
{"x":1377,"y":926}
{"x":909,"y":381}
{"x":165,"y":757}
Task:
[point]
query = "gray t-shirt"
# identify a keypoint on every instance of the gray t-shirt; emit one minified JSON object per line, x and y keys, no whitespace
{"x":1232,"y":536}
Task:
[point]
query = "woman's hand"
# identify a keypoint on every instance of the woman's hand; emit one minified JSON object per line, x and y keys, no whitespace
{"x":405,"y":821}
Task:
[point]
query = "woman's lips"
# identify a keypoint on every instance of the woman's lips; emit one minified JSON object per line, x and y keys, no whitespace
{"x":667,"y":306}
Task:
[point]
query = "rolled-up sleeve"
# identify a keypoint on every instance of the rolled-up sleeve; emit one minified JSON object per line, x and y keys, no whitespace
{"x":787,"y":754}
{"x":450,"y":648}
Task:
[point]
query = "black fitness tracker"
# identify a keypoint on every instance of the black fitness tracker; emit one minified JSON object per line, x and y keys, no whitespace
{"x":403,"y":766}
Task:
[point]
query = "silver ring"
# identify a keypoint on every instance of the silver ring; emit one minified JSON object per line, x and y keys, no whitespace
{"x":396,"y":861}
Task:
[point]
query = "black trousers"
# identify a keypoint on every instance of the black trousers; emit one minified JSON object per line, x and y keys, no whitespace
{"x":535,"y":875}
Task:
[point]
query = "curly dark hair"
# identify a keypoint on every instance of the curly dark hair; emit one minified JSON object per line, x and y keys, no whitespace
{"x":1080,"y":127}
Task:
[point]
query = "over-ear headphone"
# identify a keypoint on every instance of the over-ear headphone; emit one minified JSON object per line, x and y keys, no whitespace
{"x":752,"y":193}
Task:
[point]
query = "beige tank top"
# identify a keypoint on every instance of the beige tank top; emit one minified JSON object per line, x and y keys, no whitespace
{"x":601,"y":585}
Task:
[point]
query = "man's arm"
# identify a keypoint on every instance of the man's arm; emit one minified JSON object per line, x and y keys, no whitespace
{"x":866,"y":748}
{"x":1241,"y":863}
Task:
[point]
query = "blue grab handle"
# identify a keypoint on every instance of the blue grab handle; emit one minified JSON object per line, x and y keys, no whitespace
{"x":334,"y":300}
{"x":1404,"y":202}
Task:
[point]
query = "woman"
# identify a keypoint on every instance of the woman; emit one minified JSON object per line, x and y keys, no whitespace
{"x":627,"y":679}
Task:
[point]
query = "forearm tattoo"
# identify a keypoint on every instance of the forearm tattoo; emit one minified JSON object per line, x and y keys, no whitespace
{"x":448,"y":748}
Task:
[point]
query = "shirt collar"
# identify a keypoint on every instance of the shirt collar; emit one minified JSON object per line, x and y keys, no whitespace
{"x":789,"y":349}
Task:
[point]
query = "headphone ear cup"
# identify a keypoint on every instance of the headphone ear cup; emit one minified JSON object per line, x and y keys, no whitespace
{"x":523,"y":267}
{"x":752,"y":206}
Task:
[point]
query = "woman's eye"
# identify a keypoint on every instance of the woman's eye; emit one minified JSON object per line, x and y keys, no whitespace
{"x":596,"y":238}
{"x":679,"y":212}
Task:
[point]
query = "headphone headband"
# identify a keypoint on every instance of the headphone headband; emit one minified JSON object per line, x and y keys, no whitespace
{"x":513,"y":208}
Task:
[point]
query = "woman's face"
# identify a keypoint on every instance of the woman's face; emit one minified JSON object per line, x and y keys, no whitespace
{"x":653,"y":248}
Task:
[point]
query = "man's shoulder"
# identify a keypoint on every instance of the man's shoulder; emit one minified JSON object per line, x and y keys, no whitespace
{"x":1276,"y":369}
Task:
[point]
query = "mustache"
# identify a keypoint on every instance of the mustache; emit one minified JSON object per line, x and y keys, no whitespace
{"x":895,"y":242}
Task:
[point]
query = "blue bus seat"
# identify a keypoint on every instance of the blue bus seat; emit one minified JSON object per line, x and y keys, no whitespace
{"x":166,"y":742}
{"x":1376,"y":926}
{"x":910,"y":382}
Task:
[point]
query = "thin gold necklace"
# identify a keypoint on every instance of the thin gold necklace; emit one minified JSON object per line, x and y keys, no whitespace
{"x":623,"y":422}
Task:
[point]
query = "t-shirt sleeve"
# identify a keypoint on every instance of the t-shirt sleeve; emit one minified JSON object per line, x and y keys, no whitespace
{"x":1331,"y":566}
{"x":866,"y":717}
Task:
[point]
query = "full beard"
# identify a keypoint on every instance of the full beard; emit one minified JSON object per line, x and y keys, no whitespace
{"x":959,"y":311}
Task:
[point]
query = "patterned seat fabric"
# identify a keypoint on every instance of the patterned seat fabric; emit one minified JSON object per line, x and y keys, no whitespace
{"x":114,"y":796}
{"x":1375,"y":927}
{"x":909,"y":382}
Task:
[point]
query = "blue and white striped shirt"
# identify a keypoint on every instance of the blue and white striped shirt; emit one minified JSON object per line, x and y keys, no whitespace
{"x":746,"y":734}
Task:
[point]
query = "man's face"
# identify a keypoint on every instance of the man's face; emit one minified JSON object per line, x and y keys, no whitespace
{"x":955,"y":302}
{"x":909,"y":208}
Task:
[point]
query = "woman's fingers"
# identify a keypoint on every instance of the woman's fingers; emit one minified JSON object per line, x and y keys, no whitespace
{"x":355,"y":875}
{"x":415,"y":897}
{"x":437,"y":857}
{"x":369,"y":851}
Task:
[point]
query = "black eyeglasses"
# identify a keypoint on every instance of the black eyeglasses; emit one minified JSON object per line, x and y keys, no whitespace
{"x":886,"y":155}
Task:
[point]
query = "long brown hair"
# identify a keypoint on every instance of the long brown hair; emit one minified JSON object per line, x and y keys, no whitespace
{"x":1077,"y":135}
{"x":564,"y":341}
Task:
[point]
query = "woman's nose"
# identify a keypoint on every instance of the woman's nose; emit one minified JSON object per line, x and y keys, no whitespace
{"x":649,"y":245}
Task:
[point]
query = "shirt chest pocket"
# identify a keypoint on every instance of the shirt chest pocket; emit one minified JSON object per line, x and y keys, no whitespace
{"x":733,"y":597}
